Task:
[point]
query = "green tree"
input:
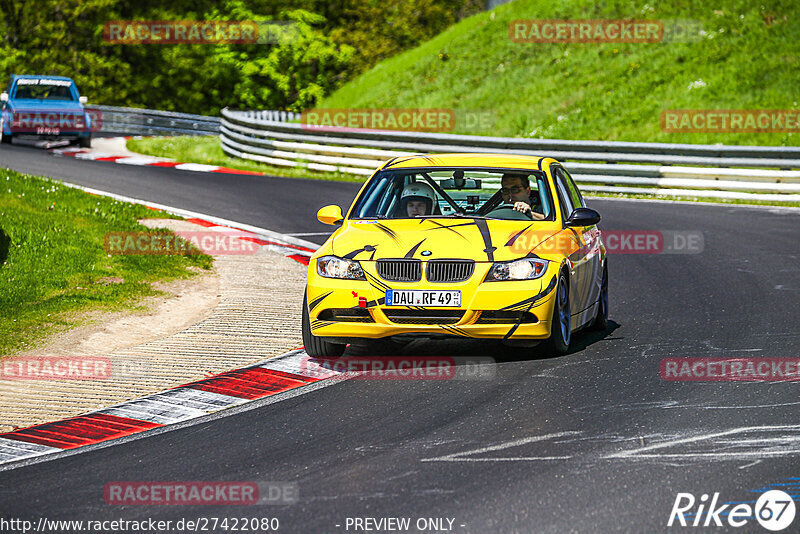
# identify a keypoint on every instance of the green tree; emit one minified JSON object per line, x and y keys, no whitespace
{"x":330,"y":43}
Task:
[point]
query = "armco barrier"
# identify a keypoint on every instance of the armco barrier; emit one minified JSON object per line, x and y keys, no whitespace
{"x":713,"y":171}
{"x":133,"y":121}
{"x":136,"y":121}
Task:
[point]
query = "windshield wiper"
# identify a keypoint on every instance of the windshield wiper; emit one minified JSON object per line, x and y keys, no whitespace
{"x":460,"y":215}
{"x":473,"y":216}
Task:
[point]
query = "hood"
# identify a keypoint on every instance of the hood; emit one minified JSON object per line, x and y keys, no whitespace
{"x":32,"y":105}
{"x":428,"y":239}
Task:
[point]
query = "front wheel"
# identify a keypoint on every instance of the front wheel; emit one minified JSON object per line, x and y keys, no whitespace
{"x":316,"y":347}
{"x":560,"y":332}
{"x":85,"y":142}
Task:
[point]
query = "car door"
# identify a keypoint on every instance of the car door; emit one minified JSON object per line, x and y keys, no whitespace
{"x":591,"y":239}
{"x":581,"y":258}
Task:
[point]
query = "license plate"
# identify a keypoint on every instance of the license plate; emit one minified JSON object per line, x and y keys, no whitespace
{"x":48,"y":131}
{"x":418,"y":297}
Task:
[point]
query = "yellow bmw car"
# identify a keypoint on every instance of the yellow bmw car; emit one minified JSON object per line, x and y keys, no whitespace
{"x":467,"y":245}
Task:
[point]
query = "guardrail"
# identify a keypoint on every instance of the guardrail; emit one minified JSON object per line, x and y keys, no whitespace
{"x":713,"y":171}
{"x":133,"y":121}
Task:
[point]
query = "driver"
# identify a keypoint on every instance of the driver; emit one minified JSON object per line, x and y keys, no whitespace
{"x":516,"y":189}
{"x":417,"y":199}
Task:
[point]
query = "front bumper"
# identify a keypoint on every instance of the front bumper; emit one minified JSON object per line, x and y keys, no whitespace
{"x":518,"y":310}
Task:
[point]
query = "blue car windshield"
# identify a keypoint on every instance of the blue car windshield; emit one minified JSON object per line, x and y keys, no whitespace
{"x":454,"y":192}
{"x":45,"y":91}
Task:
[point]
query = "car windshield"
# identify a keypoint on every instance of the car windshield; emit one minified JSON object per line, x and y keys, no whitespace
{"x":44,"y":91}
{"x":454,"y":192}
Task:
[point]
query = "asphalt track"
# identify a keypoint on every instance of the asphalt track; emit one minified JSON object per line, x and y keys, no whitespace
{"x":593,"y":441}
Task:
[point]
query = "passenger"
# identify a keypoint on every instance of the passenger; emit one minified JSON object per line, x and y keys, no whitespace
{"x":417,"y":199}
{"x":516,"y":188}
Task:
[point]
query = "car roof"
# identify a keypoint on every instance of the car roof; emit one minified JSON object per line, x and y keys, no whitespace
{"x":18,"y":76}
{"x":495,"y":161}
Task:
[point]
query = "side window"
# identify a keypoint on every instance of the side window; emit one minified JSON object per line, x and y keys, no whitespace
{"x":370,"y":200}
{"x":572,"y":189}
{"x":567,"y":207}
{"x":544,"y":198}
{"x":391,"y":195}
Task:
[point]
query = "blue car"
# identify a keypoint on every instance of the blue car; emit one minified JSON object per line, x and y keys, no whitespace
{"x":45,"y":107}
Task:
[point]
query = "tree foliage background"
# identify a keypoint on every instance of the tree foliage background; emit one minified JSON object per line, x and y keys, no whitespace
{"x":333,"y":41}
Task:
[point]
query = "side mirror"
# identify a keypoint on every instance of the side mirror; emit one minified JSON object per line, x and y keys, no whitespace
{"x":83,"y":100}
{"x":3,"y":97}
{"x":583,"y":217}
{"x":330,"y":215}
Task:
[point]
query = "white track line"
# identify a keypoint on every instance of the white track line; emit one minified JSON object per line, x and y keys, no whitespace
{"x":268,"y":234}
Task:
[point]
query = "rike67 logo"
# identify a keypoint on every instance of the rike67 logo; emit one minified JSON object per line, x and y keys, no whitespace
{"x":774,"y":510}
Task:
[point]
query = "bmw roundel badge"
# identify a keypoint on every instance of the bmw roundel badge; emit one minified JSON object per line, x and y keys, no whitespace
{"x":426,"y":253}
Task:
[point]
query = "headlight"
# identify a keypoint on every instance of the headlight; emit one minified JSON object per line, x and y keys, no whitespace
{"x":517,"y":270}
{"x":333,"y":267}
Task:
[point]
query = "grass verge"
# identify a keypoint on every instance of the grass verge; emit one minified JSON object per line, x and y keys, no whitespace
{"x":207,"y":150}
{"x":53,"y":266}
{"x":736,"y":54}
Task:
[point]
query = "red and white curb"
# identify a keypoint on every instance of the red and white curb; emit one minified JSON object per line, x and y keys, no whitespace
{"x":190,"y":401}
{"x":197,"y":399}
{"x":298,"y":253}
{"x":292,"y":247}
{"x":94,"y":155}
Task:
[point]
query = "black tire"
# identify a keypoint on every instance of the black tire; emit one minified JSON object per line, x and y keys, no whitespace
{"x":560,"y":333}
{"x":601,"y":319}
{"x":316,"y":347}
{"x":85,"y":142}
{"x":5,"y":138}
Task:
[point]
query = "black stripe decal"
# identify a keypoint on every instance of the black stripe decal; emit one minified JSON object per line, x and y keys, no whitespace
{"x":410,"y":253}
{"x":400,"y":159}
{"x":448,"y":225}
{"x":314,"y":303}
{"x":373,"y":303}
{"x":542,"y":294}
{"x":451,"y":330}
{"x":440,"y":226}
{"x":377,"y":284}
{"x":531,"y":300}
{"x":516,"y":236}
{"x":487,"y":238}
{"x":388,"y":231}
{"x":367,"y":248}
{"x":461,"y":331}
{"x":512,"y":330}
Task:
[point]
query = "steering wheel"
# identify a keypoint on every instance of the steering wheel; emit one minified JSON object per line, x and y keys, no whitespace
{"x":509,"y":213}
